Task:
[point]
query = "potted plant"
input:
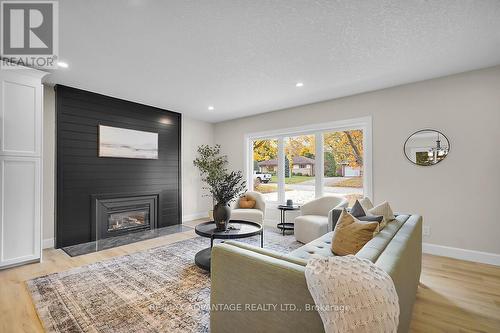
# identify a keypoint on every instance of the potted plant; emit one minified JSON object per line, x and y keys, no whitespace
{"x":222,"y":185}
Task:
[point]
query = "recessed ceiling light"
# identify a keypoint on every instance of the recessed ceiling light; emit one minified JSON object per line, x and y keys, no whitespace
{"x":211,"y":108}
{"x":62,"y":64}
{"x":299,"y":84}
{"x":166,"y":121}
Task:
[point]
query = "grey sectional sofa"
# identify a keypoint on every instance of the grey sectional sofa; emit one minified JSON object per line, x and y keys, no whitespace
{"x":258,"y":290}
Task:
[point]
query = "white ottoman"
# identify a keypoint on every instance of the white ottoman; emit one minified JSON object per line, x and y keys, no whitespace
{"x":309,"y":227}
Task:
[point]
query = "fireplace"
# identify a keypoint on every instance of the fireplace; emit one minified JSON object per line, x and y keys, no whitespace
{"x":129,"y":218}
{"x":118,"y":215}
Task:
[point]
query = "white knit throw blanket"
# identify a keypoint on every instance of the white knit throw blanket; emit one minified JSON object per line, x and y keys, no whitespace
{"x":352,"y":295}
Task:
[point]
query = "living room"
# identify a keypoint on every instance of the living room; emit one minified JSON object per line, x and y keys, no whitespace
{"x":250,"y":166}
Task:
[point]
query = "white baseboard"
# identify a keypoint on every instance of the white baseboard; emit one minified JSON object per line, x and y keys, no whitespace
{"x":191,"y":217}
{"x":462,"y":254}
{"x":48,"y":243}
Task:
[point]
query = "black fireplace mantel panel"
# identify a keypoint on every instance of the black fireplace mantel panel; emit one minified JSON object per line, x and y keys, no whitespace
{"x":81,"y":173}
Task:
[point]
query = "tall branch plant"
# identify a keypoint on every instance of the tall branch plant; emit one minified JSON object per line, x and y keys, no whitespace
{"x":222,"y":185}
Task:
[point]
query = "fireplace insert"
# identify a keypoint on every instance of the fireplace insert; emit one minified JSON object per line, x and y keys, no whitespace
{"x":120,"y":215}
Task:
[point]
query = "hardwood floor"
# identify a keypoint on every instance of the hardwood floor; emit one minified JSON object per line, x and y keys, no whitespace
{"x":454,"y":295}
{"x":457,"y":296}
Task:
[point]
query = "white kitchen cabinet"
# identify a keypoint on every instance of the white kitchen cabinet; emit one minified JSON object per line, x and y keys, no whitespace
{"x":21,"y":103}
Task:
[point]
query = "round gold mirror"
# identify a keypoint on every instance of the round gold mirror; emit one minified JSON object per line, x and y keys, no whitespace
{"x":426,"y":147}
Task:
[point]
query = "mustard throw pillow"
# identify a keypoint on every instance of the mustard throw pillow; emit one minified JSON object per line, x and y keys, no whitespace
{"x":246,"y":202}
{"x":351,"y":234}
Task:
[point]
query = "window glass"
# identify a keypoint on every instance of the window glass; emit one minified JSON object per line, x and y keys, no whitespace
{"x":299,"y":168}
{"x":265,"y":168}
{"x":343,"y":164}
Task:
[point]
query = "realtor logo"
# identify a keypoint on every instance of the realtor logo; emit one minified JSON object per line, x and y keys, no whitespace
{"x":29,"y":34}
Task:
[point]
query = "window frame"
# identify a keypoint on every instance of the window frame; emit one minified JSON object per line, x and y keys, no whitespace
{"x":362,"y":123}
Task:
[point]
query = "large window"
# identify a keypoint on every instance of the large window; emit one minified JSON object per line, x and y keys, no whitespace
{"x":303,"y":164}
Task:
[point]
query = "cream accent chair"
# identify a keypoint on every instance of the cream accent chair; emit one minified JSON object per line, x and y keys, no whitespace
{"x":255,"y":214}
{"x":315,"y":218}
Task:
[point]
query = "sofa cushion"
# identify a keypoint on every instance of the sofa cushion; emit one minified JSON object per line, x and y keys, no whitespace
{"x":376,"y":246}
{"x":371,"y":251}
{"x":320,"y":247}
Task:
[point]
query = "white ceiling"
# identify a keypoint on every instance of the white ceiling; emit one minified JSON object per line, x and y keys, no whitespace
{"x":245,"y":57}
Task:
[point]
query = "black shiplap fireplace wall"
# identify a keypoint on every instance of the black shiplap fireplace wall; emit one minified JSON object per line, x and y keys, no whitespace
{"x":81,"y":174}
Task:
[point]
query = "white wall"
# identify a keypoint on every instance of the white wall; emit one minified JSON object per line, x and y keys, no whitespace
{"x":194,"y":133}
{"x":459,"y":196}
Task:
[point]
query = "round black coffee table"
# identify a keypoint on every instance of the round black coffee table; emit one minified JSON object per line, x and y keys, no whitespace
{"x":283,"y":225}
{"x":236,"y":229}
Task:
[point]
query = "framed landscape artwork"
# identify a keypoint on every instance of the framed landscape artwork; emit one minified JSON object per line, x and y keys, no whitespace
{"x":127,"y":143}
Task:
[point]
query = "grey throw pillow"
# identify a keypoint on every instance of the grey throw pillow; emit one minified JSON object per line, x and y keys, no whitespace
{"x":357,"y":210}
{"x":371,"y":218}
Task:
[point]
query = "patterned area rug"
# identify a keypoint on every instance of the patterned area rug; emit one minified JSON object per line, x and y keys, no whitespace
{"x":158,"y":290}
